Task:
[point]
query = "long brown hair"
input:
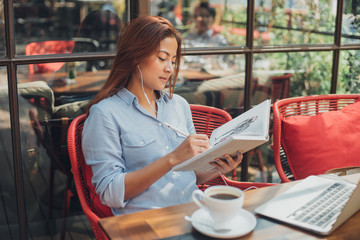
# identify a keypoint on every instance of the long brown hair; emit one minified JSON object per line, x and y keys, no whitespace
{"x":141,"y":39}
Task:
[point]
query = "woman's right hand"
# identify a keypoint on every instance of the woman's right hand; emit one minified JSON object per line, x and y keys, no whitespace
{"x":190,"y":147}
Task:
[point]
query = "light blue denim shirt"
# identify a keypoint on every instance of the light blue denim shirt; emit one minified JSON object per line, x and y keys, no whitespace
{"x":120,"y":136}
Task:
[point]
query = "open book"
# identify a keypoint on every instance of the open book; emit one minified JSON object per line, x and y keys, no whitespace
{"x":242,"y":133}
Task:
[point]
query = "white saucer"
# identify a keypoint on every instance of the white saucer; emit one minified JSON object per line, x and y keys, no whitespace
{"x":241,"y":225}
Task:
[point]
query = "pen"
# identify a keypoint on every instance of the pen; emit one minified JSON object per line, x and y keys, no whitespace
{"x":175,"y":129}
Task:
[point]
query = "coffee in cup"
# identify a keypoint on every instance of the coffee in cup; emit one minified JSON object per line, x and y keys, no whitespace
{"x":222,"y":202}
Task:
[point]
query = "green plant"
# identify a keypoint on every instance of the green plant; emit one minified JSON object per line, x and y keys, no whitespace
{"x":349,"y":72}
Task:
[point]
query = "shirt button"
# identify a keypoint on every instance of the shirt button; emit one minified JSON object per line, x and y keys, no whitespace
{"x":160,"y":124}
{"x":142,"y":142}
{"x":166,"y":147}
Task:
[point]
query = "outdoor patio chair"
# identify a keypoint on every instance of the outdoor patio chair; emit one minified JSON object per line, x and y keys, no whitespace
{"x":58,"y":162}
{"x":313,"y":134}
{"x":280,"y":87}
{"x":89,"y":200}
{"x":48,"y":47}
{"x":51,"y":135}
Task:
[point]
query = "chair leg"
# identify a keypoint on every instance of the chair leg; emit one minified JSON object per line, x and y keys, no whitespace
{"x":261,"y":161}
{"x":66,"y":207}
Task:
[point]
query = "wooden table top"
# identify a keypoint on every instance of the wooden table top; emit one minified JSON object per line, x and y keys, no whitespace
{"x":192,"y":75}
{"x":169,"y":222}
{"x":86,"y":82}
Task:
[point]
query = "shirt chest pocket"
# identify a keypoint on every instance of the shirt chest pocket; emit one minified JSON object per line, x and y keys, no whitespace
{"x":136,"y":141}
{"x":138,"y":150}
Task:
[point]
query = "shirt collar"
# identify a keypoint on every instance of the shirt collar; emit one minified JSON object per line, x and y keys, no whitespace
{"x":129,"y":97}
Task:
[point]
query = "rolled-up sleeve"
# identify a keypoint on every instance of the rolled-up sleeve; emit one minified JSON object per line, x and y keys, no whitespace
{"x":103,"y":152}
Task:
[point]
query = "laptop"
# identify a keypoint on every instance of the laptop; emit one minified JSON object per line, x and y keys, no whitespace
{"x":319,"y":204}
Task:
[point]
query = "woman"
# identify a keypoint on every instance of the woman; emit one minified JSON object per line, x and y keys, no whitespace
{"x":124,"y":140}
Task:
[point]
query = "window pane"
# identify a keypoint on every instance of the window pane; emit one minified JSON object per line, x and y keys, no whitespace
{"x":46,"y":100}
{"x":8,"y":203}
{"x":74,"y":81}
{"x":35,"y":109}
{"x":50,"y":68}
{"x":294,"y":22}
{"x":96,"y":24}
{"x":212,"y":85}
{"x":2,"y":30}
{"x":216,"y":24}
{"x":349,"y":72}
{"x":310,"y":71}
{"x":351,"y":22}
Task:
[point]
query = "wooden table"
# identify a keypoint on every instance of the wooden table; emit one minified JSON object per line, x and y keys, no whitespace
{"x":192,"y":75}
{"x":169,"y":222}
{"x":86,"y":82}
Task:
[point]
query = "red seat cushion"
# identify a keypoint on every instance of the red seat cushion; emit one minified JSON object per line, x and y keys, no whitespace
{"x":315,"y":144}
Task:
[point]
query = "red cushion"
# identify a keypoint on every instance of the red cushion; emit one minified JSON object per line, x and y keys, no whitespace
{"x":95,"y":204}
{"x":315,"y":144}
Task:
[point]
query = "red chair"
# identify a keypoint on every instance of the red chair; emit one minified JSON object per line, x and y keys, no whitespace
{"x":302,"y":107}
{"x":206,"y":119}
{"x":48,"y":47}
{"x":89,"y":200}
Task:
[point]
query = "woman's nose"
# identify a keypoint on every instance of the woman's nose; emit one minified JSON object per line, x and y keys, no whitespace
{"x":169,"y":68}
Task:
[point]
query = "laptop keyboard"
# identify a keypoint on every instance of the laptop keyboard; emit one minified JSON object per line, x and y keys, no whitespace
{"x":324,"y":208}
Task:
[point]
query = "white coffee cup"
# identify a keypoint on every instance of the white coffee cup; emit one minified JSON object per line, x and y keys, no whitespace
{"x":222,"y":202}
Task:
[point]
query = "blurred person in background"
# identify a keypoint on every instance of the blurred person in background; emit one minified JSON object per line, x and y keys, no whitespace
{"x":203,"y":34}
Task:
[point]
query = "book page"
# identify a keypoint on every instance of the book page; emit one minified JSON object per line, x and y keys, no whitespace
{"x":239,"y":134}
{"x":253,"y":122}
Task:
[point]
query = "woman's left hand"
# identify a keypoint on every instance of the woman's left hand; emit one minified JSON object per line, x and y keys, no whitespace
{"x":226,"y":164}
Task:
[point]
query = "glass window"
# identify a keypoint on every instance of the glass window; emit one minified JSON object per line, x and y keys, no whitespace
{"x":349,"y":72}
{"x":218,"y":23}
{"x":294,"y":22}
{"x":217,"y":81}
{"x":47,"y":103}
{"x":203,"y":24}
{"x":310,"y":71}
{"x":73,"y":81}
{"x":94,"y":24}
{"x":36,"y":105}
{"x":351,"y":22}
{"x":8,"y":209}
{"x":2,"y":30}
